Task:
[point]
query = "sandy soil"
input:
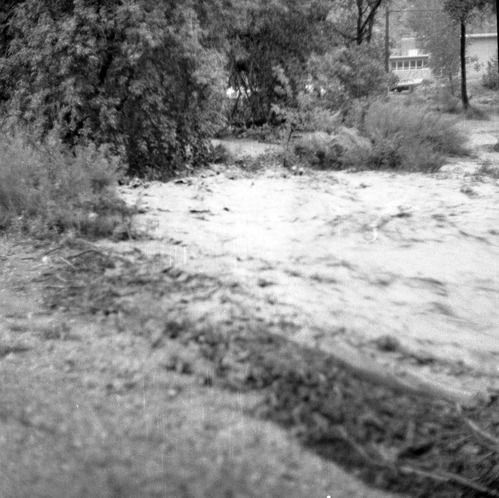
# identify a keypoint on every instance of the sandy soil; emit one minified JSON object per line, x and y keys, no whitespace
{"x":403,"y":267}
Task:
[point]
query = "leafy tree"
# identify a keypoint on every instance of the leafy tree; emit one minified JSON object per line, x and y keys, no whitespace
{"x":149,"y":77}
{"x":269,"y":46}
{"x":354,"y":20}
{"x":438,"y":34}
{"x":348,"y":74}
{"x":138,"y":75}
{"x":462,"y":11}
{"x":495,"y":7}
{"x":273,"y":44}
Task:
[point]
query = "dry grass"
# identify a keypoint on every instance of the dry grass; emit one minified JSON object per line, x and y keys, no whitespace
{"x":46,"y":190}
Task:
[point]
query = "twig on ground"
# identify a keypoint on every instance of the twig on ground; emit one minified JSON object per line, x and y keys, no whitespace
{"x":86,"y":251}
{"x":60,"y":246}
{"x":67,"y":262}
{"x":449,"y":478}
{"x":492,"y":442}
{"x":446,"y":477}
{"x":379,"y":462}
{"x":58,"y":277}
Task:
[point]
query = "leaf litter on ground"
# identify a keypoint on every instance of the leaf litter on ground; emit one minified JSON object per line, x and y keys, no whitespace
{"x":399,"y":441}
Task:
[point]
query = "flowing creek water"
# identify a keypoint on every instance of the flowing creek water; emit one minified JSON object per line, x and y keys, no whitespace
{"x":403,"y":268}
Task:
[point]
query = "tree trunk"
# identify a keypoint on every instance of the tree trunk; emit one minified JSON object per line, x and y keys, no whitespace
{"x":464,"y":90}
{"x":360,"y":29}
{"x":497,"y":31}
{"x":387,"y":39}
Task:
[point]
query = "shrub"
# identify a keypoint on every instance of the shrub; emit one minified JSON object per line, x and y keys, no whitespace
{"x":46,"y":190}
{"x":394,"y":136}
{"x":309,"y":114}
{"x":343,"y":149}
{"x":487,"y":169}
{"x":410,"y":138}
{"x":139,"y":76}
{"x":477,"y":113}
{"x":219,"y":154}
{"x":490,"y":79}
{"x":444,"y":100}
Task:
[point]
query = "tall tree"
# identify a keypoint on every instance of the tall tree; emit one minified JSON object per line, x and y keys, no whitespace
{"x":137,"y":75}
{"x":462,"y":12}
{"x":495,"y":6}
{"x":270,"y":43}
{"x":438,"y":35}
{"x":354,"y":20}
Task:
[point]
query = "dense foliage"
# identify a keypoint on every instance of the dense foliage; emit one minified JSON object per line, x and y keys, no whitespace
{"x":281,"y":50}
{"x":395,"y":136}
{"x":355,"y":20}
{"x":149,"y":78}
{"x":269,"y":45}
{"x":135,"y":75}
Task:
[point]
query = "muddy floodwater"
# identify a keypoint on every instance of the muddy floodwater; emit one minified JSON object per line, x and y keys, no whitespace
{"x":403,"y":268}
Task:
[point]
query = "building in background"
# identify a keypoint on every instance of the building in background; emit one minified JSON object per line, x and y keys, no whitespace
{"x":407,"y":62}
{"x":481,"y":49}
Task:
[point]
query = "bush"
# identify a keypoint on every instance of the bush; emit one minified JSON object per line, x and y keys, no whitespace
{"x":219,"y":154}
{"x":490,"y":79}
{"x":487,"y":169}
{"x":394,"y":136}
{"x":46,"y":190}
{"x":309,"y":114}
{"x":343,"y":149}
{"x":138,"y":76}
{"x":410,"y":138}
{"x":445,"y":100}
